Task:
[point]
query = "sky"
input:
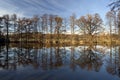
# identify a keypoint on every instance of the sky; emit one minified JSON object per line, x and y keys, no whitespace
{"x":63,"y":8}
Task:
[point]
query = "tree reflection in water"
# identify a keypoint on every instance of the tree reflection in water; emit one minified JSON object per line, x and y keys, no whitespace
{"x":113,"y":63}
{"x":72,"y":58}
{"x":90,"y":58}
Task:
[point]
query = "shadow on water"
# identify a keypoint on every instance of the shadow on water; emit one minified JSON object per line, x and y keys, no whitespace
{"x":59,"y":62}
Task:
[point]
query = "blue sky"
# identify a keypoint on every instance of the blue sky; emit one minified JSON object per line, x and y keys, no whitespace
{"x":63,"y":8}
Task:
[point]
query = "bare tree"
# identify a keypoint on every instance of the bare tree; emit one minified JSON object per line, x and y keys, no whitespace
{"x":14,"y":20}
{"x":58,"y":21}
{"x":45,"y":23}
{"x":90,"y":24}
{"x":51,"y":25}
{"x":115,"y":5}
{"x":64,"y":29}
{"x":81,"y":23}
{"x":6,"y":19}
{"x":35,"y":21}
{"x":72,"y":25}
{"x":118,"y":18}
{"x":110,"y":19}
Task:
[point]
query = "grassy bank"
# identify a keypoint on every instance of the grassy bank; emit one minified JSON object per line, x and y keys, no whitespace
{"x":64,"y":39}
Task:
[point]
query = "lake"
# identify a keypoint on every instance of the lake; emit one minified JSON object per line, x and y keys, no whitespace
{"x":91,"y":62}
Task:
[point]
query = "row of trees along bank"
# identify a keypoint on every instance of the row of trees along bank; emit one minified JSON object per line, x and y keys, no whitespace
{"x":89,"y":27}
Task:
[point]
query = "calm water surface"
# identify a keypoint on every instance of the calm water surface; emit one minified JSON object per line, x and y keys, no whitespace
{"x":60,"y":63}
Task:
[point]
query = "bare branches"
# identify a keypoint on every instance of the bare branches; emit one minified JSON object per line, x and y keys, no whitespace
{"x":115,"y":6}
{"x":89,"y":23}
{"x":58,"y":21}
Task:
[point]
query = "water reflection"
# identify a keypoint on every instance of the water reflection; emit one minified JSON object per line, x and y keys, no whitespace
{"x":90,"y":59}
{"x":103,"y":60}
{"x":113,"y":66}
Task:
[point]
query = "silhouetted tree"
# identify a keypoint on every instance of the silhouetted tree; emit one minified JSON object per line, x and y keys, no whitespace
{"x":6,"y":19}
{"x":1,"y":26}
{"x":115,"y":5}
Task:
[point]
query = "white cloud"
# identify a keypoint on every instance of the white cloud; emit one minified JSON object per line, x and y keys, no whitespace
{"x":19,"y":14}
{"x":63,"y":8}
{"x":6,"y":7}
